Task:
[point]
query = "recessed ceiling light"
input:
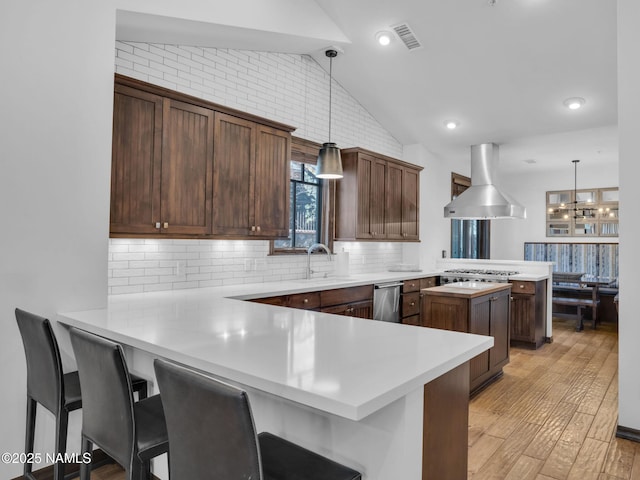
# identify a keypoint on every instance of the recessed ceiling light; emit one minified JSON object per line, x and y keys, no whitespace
{"x":384,"y":38}
{"x":574,"y":103}
{"x":452,"y":124}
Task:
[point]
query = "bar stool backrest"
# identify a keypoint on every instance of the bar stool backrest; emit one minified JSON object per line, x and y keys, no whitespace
{"x":210,"y":425}
{"x":107,"y":397}
{"x":44,"y":366}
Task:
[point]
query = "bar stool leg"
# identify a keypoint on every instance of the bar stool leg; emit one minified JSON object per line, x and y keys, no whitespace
{"x":32,"y":406}
{"x":62,"y":422}
{"x":85,"y":468}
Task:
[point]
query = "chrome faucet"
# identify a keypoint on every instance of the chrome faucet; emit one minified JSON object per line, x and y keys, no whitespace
{"x":311,"y":249}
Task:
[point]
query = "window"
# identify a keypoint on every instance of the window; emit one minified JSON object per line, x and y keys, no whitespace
{"x":305,"y":200}
{"x":469,"y":238}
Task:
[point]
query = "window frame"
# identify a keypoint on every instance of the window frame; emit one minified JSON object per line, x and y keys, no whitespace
{"x":306,"y":151}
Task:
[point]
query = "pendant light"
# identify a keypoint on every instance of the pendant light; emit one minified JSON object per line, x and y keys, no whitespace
{"x":575,"y":192}
{"x":329,"y":164}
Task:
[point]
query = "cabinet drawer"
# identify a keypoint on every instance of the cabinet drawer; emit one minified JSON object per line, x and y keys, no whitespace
{"x":411,"y":285}
{"x":339,"y":296}
{"x":523,"y":287}
{"x":410,"y":304}
{"x":427,"y":282}
{"x":305,"y":301}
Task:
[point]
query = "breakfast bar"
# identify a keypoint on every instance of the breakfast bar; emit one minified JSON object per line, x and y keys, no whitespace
{"x":386,"y":399}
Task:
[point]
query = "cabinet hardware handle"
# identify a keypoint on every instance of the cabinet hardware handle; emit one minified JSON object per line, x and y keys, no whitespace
{"x":493,"y":299}
{"x":521,"y":286}
{"x":253,"y":228}
{"x":306,"y":300}
{"x":413,"y":304}
{"x":413,"y":284}
{"x":165,"y":225}
{"x":158,"y":225}
{"x":258,"y":228}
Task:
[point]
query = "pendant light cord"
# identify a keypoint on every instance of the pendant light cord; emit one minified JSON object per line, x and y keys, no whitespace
{"x":330,"y":99}
{"x":331,"y":54}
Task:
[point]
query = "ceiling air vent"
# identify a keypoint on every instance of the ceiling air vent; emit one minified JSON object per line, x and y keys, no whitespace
{"x":407,"y":36}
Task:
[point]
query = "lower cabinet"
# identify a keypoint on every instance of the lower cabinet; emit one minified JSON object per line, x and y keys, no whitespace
{"x":528,"y":313}
{"x":304,"y":301}
{"x":480,"y":314}
{"x":352,"y":301}
{"x":410,"y":304}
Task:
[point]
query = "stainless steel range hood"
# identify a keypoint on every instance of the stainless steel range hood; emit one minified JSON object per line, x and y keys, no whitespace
{"x":483,"y":199}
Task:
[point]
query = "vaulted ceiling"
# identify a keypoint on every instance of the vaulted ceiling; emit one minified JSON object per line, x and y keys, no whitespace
{"x":501,"y":68}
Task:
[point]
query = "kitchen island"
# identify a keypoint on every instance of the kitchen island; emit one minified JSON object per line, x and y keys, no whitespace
{"x":474,"y":307}
{"x":389,"y":400}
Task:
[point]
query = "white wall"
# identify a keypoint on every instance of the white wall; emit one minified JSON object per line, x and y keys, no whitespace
{"x":529,"y":189}
{"x":435,"y":193}
{"x":629,"y":126}
{"x":56,"y":99}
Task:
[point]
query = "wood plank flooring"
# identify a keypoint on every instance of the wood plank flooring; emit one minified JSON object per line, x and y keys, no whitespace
{"x":552,"y":416}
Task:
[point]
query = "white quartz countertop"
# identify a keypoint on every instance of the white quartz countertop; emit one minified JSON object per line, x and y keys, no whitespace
{"x":345,"y":366}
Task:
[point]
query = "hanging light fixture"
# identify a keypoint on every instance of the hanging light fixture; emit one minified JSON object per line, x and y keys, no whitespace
{"x":329,"y":164}
{"x":575,"y":193}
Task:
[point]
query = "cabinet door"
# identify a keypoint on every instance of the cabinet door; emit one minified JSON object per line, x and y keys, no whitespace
{"x":448,"y":313}
{"x":523,"y":317}
{"x":378,"y":199}
{"x":233,"y":193}
{"x":394,"y":194}
{"x":410,"y":204}
{"x":271,"y":183}
{"x":136,"y":161}
{"x":499,"y":354}
{"x":479,"y":323}
{"x":364,"y":175}
{"x":362,"y":309}
{"x":187,"y":162}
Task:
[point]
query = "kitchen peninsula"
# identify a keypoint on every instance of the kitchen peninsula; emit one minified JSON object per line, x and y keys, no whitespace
{"x":389,"y":400}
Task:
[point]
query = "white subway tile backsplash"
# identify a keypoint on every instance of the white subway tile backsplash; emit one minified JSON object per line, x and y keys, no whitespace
{"x":206,"y":263}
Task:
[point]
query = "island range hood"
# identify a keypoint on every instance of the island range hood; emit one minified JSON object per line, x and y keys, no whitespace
{"x":483,"y":199}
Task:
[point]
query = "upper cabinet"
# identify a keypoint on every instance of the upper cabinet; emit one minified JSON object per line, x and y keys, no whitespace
{"x":251,"y":172}
{"x":377,"y":199}
{"x":183,"y":167}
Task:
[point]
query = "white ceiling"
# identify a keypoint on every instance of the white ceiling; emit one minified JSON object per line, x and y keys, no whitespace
{"x":502,"y":71}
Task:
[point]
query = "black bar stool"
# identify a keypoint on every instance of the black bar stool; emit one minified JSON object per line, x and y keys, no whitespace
{"x":212,"y":434}
{"x":47,"y":385}
{"x":131,"y":433}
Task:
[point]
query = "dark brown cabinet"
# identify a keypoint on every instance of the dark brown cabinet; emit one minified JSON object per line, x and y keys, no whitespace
{"x":251,"y":179}
{"x":411,"y":304}
{"x":161,"y":167}
{"x":482,"y":314}
{"x":185,"y":185}
{"x":528,"y":312}
{"x":136,"y":161}
{"x":351,"y":301}
{"x":377,"y":199}
{"x":184,"y":167}
{"x":304,"y":301}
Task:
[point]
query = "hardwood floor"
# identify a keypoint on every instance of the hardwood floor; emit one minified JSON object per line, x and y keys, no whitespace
{"x":552,"y":416}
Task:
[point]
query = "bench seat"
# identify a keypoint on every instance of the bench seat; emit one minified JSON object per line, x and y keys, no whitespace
{"x":579,"y":303}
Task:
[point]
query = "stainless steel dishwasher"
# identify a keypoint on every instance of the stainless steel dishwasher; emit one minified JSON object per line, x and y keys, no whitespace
{"x":386,"y":301}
